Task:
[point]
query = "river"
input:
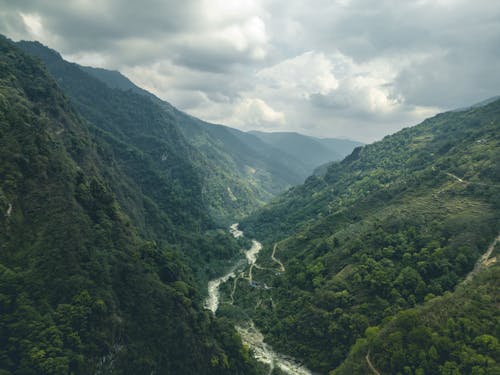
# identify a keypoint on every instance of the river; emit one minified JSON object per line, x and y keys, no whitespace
{"x":250,"y":335}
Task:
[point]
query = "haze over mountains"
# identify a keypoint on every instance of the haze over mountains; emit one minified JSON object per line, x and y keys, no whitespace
{"x":114,"y":214}
{"x":309,"y":150}
{"x":305,"y":153}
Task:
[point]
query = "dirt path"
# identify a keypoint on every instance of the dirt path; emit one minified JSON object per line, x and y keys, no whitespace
{"x":370,"y":365}
{"x":235,"y":284}
{"x":281,"y":266}
{"x":461,"y":180}
{"x":484,"y":261}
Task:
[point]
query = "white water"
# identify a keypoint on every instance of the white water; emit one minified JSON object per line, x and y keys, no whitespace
{"x":250,"y":335}
{"x":212,"y":301}
{"x":233,"y":229}
{"x":252,"y":253}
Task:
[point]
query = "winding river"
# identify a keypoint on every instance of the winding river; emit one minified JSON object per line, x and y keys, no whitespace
{"x":250,"y":335}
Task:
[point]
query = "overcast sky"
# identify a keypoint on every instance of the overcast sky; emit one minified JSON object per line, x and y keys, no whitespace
{"x":359,"y":69}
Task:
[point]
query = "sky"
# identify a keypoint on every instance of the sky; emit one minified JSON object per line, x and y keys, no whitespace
{"x":358,"y":69}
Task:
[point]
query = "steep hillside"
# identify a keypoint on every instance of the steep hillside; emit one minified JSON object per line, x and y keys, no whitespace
{"x":264,"y":165}
{"x":311,"y":151}
{"x":138,"y":127}
{"x":83,"y":289}
{"x":111,"y":78}
{"x":392,"y":225}
{"x":453,"y":334}
{"x":266,"y":170}
{"x":238,"y":171}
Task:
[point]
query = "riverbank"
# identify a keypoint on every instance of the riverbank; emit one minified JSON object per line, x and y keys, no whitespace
{"x":250,"y":335}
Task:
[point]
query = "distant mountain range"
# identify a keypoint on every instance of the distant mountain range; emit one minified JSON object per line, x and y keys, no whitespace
{"x":311,"y":151}
{"x":303,"y":153}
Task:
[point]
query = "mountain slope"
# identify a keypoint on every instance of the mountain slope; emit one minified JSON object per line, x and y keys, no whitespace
{"x":240,"y":170}
{"x":82,"y":288}
{"x":311,"y":151}
{"x":455,"y":333}
{"x":115,"y":80}
{"x":226,"y":141}
{"x":393,"y":224}
{"x":134,"y":120}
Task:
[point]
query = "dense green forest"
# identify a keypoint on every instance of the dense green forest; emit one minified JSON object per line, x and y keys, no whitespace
{"x":453,"y":334}
{"x":390,"y":227}
{"x":94,"y":240}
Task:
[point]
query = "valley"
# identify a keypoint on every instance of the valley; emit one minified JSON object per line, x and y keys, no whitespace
{"x":138,"y":239}
{"x":250,"y":335}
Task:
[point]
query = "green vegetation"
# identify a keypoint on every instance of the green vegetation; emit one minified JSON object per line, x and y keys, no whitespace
{"x":94,"y":239}
{"x":310,"y":151}
{"x":108,"y":229}
{"x":388,"y":228}
{"x":235,"y":171}
{"x":453,"y":334}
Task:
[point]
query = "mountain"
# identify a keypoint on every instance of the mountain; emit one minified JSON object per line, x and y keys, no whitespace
{"x":96,"y":237}
{"x":480,"y":104}
{"x":455,"y":333}
{"x":239,"y":171}
{"x":287,"y":158}
{"x":114,"y":79}
{"x":311,"y":151}
{"x":382,"y":232}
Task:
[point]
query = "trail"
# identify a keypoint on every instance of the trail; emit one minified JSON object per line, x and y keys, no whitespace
{"x":282,"y":267}
{"x":461,"y":180}
{"x":484,"y":261}
{"x":235,"y":283}
{"x":370,"y":364}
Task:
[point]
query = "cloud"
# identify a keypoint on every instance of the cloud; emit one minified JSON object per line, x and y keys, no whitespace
{"x":254,"y":113}
{"x":355,"y":68}
{"x":303,"y":75}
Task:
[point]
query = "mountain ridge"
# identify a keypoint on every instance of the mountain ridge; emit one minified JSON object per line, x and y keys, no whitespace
{"x":238,"y":169}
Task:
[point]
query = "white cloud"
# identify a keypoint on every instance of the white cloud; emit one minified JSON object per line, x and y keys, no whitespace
{"x":254,"y":113}
{"x":354,"y":68}
{"x":303,"y":75}
{"x":33,"y":23}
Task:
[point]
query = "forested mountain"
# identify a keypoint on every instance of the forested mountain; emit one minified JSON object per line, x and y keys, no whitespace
{"x":95,"y":235}
{"x":287,"y":158}
{"x":390,"y":227}
{"x":111,"y":78}
{"x":453,"y":334}
{"x":311,"y":151}
{"x":110,"y":201}
{"x":237,"y":170}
